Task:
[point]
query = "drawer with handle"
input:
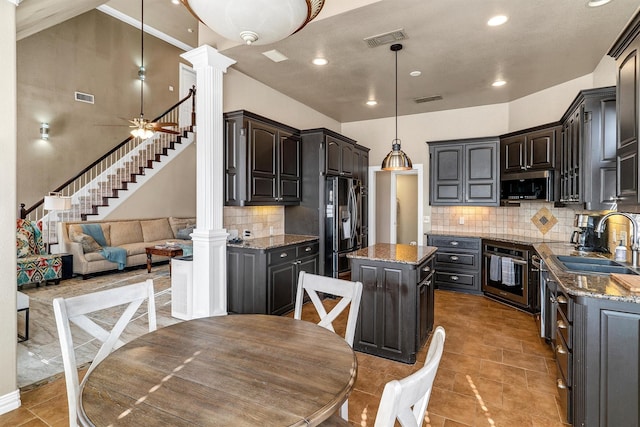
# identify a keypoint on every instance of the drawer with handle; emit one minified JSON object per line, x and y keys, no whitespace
{"x":280,"y":255}
{"x":455,"y":279}
{"x":454,"y":242}
{"x":307,"y":249}
{"x":425,"y":269}
{"x":564,"y":360}
{"x":444,"y":257}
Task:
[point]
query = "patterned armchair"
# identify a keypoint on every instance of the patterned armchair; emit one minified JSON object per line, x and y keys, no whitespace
{"x":34,"y":264}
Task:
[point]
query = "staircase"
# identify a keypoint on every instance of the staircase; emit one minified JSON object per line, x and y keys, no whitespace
{"x":105,"y":184}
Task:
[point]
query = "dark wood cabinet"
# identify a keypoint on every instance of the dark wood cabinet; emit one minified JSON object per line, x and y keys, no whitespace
{"x":262,"y":161}
{"x":464,"y":172}
{"x":265,"y":281}
{"x":396,"y":310}
{"x":339,"y":156}
{"x":457,"y":263}
{"x":625,"y":50}
{"x":530,"y":149}
{"x":588,"y":150}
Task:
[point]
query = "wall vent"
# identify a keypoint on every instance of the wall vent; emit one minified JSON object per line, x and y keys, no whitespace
{"x":424,"y":99}
{"x":84,"y":97}
{"x":386,"y":38}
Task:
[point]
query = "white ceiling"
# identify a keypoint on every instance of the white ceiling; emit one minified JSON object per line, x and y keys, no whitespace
{"x":544,"y":43}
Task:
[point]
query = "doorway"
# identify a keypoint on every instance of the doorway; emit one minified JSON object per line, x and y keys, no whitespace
{"x":395,"y":205}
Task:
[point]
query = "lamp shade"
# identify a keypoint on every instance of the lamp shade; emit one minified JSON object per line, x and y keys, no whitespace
{"x":57,"y":202}
{"x":396,"y":160}
{"x":255,"y":21}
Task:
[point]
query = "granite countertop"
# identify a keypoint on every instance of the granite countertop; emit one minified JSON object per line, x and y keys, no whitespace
{"x":273,"y":241}
{"x":586,"y":285}
{"x":500,"y":237}
{"x":396,"y":253}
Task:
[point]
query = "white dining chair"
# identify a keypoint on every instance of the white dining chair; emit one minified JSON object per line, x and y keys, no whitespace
{"x":75,"y":310}
{"x":406,"y":400}
{"x":350,"y":293}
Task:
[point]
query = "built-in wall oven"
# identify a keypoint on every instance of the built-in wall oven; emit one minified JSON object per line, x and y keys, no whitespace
{"x":510,"y":274}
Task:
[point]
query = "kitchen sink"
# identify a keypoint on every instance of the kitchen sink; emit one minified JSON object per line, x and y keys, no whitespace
{"x":577,"y":264}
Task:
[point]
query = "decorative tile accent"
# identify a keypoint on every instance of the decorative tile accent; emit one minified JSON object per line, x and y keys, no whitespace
{"x":544,"y":220}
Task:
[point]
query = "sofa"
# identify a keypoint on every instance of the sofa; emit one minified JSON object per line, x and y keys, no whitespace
{"x":91,"y":242}
{"x":34,"y":264}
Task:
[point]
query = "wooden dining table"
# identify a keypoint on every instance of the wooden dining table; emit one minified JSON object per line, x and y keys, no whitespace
{"x":235,"y":370}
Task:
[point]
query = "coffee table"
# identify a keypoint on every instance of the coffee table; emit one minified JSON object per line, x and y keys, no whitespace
{"x":170,"y":251}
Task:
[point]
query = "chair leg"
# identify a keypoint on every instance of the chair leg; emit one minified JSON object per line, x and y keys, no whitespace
{"x":344,"y":411}
{"x":22,"y":338}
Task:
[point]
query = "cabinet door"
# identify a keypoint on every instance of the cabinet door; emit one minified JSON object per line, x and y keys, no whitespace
{"x":513,"y":153}
{"x":347,"y":159}
{"x":446,"y":174}
{"x":425,"y":310}
{"x":263,"y":149}
{"x":282,"y":287}
{"x":481,"y":169}
{"x":333,"y":155}
{"x":627,"y":151}
{"x":233,"y":177}
{"x":289,"y":168}
{"x":541,"y":149}
{"x":246,"y":282}
{"x":574,"y":156}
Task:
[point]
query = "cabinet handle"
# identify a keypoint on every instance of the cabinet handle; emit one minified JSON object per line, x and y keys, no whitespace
{"x":428,"y":283}
{"x":283,"y":255}
{"x":561,"y":384}
{"x":453,"y":258}
{"x":454,"y":243}
{"x":560,"y":349}
{"x":307,"y":249}
{"x":454,"y":278}
{"x":426,"y":269}
{"x":562,"y":299}
{"x":561,"y":325}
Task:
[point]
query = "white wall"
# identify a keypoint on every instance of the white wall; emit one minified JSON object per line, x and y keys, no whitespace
{"x":407,"y":210}
{"x":605,"y":72}
{"x":383,"y":214}
{"x":9,"y":398}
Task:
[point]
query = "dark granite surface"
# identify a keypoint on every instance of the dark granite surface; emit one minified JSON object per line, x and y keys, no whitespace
{"x":273,"y":241}
{"x":387,"y":252}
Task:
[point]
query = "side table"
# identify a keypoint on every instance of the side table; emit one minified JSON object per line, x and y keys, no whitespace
{"x":168,"y":251}
{"x":67,"y":266}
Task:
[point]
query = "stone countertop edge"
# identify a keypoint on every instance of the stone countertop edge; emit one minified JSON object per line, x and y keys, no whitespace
{"x":273,"y":241}
{"x":394,"y":253}
{"x":580,"y":285}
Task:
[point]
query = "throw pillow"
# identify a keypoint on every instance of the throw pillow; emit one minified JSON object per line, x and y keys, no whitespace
{"x":88,"y":243}
{"x":22,"y":243}
{"x":185,"y":233}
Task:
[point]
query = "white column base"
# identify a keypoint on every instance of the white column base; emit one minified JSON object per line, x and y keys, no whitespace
{"x":10,"y":401}
{"x":209,"y":272}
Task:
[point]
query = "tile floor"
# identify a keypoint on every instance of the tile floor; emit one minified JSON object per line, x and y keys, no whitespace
{"x":495,"y":371}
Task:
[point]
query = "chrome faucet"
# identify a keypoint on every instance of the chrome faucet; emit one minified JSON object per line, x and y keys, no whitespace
{"x":635,"y":228}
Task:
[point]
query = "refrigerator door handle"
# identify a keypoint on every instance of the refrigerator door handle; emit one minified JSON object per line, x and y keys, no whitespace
{"x":353,"y":211}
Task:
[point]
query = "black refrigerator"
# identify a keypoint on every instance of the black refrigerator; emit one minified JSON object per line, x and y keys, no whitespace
{"x":343,"y":227}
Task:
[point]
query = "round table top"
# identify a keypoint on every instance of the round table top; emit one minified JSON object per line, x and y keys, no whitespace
{"x":231,"y":370}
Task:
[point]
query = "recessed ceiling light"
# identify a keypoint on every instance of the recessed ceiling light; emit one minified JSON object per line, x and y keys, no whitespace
{"x":372,"y":102}
{"x":319,"y":61}
{"x":175,"y":1}
{"x":596,"y":3}
{"x":498,"y":83}
{"x":497,"y":20}
{"x":415,"y":73}
{"x":190,"y":30}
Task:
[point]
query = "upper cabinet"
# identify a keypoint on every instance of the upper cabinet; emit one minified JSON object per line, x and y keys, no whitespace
{"x":531,"y":149}
{"x":262,"y":161}
{"x":588,"y":150}
{"x":464,"y":172}
{"x":339,"y":156}
{"x":626,"y":51}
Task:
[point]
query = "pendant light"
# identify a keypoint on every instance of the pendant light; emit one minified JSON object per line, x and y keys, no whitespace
{"x":396,"y":160}
{"x":140,"y":126}
{"x":255,"y":21}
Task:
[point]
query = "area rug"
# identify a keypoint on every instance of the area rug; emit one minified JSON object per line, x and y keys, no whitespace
{"x":40,"y":358}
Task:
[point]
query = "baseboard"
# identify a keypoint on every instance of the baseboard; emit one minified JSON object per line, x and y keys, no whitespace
{"x":9,"y":402}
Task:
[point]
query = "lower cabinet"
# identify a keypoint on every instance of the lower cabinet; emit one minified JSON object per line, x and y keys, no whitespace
{"x":265,"y":281}
{"x":396,"y":311}
{"x":457,"y":263}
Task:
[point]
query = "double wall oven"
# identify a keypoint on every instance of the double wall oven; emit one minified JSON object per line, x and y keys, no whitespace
{"x":510,"y":274}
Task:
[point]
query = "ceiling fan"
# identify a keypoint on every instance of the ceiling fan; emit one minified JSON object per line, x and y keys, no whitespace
{"x":143,"y":128}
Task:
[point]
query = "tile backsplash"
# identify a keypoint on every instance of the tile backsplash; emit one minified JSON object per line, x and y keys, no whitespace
{"x":261,"y":221}
{"x":531,"y":219}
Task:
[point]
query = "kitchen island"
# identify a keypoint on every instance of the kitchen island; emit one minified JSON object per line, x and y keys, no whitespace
{"x":396,"y":310}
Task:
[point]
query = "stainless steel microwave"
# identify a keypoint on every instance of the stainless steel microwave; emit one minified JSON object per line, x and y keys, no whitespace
{"x":533,"y":185}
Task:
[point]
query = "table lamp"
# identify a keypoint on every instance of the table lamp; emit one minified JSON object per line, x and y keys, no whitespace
{"x":54,"y":202}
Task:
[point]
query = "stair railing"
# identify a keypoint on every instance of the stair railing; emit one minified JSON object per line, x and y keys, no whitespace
{"x":117,"y":156}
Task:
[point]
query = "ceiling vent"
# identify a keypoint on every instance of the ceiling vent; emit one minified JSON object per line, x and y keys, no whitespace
{"x":386,"y":38}
{"x":84,"y":97}
{"x":424,"y":99}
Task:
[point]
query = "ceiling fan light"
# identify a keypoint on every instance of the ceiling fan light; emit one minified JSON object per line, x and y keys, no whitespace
{"x":255,"y":21}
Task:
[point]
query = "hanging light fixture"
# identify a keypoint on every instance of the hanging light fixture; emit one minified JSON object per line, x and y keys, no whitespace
{"x":141,"y":128}
{"x":396,"y":160}
{"x":255,"y":21}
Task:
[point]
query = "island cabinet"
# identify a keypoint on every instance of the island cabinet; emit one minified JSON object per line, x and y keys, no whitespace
{"x":263,"y":161}
{"x":626,"y":51}
{"x":264,"y":281}
{"x":464,"y":172}
{"x":588,"y":150}
{"x":396,"y":310}
{"x":530,"y":149}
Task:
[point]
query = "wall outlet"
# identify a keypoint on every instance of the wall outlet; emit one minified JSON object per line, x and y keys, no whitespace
{"x":426,"y":219}
{"x":461,"y":220}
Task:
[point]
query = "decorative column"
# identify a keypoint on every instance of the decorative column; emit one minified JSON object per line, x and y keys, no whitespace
{"x":209,"y":236}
